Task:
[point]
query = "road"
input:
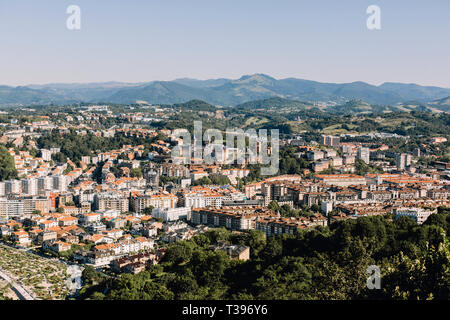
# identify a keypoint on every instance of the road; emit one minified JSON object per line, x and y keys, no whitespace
{"x":17,"y":288}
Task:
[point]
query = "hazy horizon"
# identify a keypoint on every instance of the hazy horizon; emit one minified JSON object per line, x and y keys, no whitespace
{"x":138,"y":42}
{"x":206,"y":79}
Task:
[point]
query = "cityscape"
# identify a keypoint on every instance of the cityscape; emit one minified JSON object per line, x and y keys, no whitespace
{"x":248,"y":187}
{"x":98,"y":191}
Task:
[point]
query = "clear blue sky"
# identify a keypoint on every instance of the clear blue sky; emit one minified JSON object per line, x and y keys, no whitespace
{"x":144,"y":40}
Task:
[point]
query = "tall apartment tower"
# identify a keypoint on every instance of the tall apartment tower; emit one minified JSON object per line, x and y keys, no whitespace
{"x":46,"y":155}
{"x":2,"y":189}
{"x":30,"y":186}
{"x":330,"y":141}
{"x":45,"y":183}
{"x":403,"y":160}
{"x":363,"y":154}
{"x":59,"y":183}
{"x":12,"y":186}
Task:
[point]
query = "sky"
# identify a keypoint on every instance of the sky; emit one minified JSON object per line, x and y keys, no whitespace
{"x":146,"y":40}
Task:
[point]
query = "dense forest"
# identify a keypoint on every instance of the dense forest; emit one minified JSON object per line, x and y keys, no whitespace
{"x":323,"y":263}
{"x":74,"y":146}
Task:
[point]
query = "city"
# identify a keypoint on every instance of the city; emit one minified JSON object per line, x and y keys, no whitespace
{"x":99,"y":187}
{"x":217,"y":159}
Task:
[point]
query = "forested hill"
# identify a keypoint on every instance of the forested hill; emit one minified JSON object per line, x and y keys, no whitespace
{"x":275,"y":102}
{"x":225,"y":92}
{"x":324,"y":263}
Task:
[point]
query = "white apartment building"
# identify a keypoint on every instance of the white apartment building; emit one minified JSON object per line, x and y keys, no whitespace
{"x":11,"y":208}
{"x":2,"y":189}
{"x":363,"y":154}
{"x":111,"y":200}
{"x":194,"y":200}
{"x":201,"y":200}
{"x":417,"y":214}
{"x":30,"y":186}
{"x":46,"y":155}
{"x":60,"y":183}
{"x":45,"y":183}
{"x":12,"y":186}
{"x":139,"y":203}
{"x":86,"y":159}
{"x":403,"y":160}
{"x":172,"y":214}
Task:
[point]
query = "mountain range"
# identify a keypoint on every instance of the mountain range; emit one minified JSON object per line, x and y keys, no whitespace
{"x":225,"y":92}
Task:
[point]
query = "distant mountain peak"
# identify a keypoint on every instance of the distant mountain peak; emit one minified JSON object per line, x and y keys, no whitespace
{"x":256,"y":76}
{"x":256,"y":79}
{"x":221,"y":91}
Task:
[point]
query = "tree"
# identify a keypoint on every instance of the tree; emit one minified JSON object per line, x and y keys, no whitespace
{"x":273,"y":249}
{"x":140,"y":287}
{"x":322,"y":263}
{"x":7,"y":167}
{"x":59,"y":157}
{"x":288,"y":279}
{"x":424,"y":278}
{"x":363,"y":168}
{"x":218,"y":234}
{"x":91,"y":276}
{"x":136,"y":173}
{"x":273,"y":205}
{"x":201,"y":240}
{"x":148,"y":210}
{"x":97,"y":296}
{"x":178,"y":253}
{"x":68,"y":169}
{"x":256,"y":240}
{"x":216,"y":179}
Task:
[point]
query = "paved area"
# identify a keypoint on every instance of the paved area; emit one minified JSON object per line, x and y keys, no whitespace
{"x":18,"y":289}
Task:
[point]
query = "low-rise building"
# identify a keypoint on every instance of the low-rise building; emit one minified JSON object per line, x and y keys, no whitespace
{"x":172,"y":214}
{"x":419,"y":215}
